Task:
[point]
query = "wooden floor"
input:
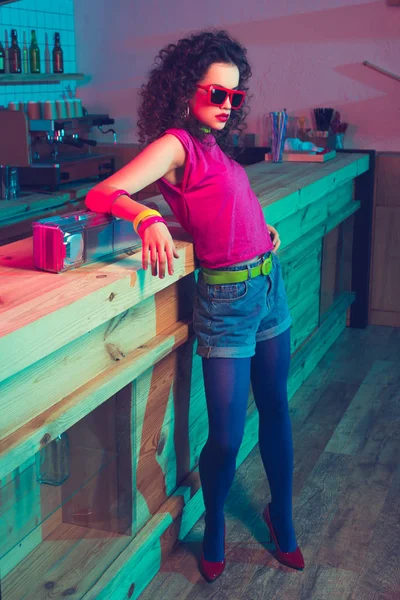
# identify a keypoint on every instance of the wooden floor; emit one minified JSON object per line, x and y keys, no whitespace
{"x":346,"y":494}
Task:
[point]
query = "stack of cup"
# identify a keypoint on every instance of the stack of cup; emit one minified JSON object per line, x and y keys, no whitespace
{"x":34,"y":110}
{"x":61,"y":109}
{"x":49,"y":110}
{"x":78,"y":107}
{"x":278,"y":126}
{"x":70,"y":106}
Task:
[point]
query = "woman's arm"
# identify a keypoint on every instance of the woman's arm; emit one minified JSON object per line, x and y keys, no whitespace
{"x":157,"y":159}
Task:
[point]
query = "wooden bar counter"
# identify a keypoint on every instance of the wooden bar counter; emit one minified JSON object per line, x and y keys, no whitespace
{"x":106,"y":353}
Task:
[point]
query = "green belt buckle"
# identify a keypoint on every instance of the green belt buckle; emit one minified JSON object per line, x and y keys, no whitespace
{"x":266,"y":265}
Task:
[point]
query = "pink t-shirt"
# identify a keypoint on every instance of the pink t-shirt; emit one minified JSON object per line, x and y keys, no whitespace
{"x":216,"y":205}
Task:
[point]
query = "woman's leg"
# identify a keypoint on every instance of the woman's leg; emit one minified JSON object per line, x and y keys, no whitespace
{"x":227,"y":385}
{"x":269,"y":375}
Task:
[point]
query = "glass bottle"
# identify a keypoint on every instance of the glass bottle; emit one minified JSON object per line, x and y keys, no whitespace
{"x":53,"y":462}
{"x":2,"y":59}
{"x":34,"y":54}
{"x":14,"y":189}
{"x":14,"y":53}
{"x":58,"y":58}
{"x":25,"y":56}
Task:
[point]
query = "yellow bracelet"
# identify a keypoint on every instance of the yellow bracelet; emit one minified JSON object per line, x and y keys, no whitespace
{"x":149,"y":212}
{"x":143,"y":217}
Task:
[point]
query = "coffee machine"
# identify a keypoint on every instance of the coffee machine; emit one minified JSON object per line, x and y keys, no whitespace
{"x":49,"y":154}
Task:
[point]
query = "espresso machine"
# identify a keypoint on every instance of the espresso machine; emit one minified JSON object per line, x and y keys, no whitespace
{"x":49,"y":154}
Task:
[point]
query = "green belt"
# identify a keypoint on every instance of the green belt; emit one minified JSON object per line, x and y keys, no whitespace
{"x":216,"y":276}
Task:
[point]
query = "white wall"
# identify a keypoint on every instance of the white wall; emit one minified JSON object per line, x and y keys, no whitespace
{"x":304,"y":54}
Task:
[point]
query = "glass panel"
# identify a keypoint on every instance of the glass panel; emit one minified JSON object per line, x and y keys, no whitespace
{"x":82,"y":478}
{"x":25,"y":504}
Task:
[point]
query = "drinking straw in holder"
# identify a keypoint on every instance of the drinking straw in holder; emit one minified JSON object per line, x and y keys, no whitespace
{"x":323,"y":117}
{"x":279,"y":121}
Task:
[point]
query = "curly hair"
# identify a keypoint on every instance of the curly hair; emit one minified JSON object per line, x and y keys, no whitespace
{"x":179,"y":67}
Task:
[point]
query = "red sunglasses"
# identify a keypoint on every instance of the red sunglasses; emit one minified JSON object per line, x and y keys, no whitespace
{"x":217,"y":95}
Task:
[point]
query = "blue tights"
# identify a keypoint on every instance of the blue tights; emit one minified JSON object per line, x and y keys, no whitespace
{"x":227,"y":384}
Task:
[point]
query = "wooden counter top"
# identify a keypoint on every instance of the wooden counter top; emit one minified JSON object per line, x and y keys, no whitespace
{"x":54,"y":309}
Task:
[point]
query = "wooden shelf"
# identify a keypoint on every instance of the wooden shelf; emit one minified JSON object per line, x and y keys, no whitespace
{"x":72,"y":558}
{"x":23,"y":78}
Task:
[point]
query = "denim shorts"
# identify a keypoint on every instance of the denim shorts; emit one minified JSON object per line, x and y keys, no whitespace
{"x":230,"y":319}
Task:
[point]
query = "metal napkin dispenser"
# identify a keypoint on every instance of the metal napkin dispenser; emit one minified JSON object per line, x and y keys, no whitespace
{"x":68,"y":241}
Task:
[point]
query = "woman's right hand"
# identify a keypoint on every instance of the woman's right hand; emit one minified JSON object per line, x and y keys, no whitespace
{"x":157,"y":240}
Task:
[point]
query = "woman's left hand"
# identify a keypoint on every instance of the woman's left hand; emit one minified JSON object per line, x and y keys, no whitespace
{"x":275,"y":237}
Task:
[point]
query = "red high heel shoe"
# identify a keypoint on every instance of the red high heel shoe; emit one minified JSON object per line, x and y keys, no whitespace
{"x":212,"y":570}
{"x":290,"y":559}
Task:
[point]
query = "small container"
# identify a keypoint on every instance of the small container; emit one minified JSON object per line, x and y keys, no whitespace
{"x":339,"y":141}
{"x":10,"y":183}
{"x":61,"y":109}
{"x":34,"y":110}
{"x":70,"y":104}
{"x":278,"y":121}
{"x":53,"y":461}
{"x":14,"y":184}
{"x":292,"y":129}
{"x":78,"y":107}
{"x":49,"y":110}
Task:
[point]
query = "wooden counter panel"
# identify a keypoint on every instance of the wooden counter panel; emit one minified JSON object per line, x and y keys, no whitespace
{"x":171,"y":427}
{"x":302,"y":277}
{"x":28,"y":439}
{"x":385,"y":254}
{"x":336,"y":268}
{"x":388,"y":179}
{"x":385,"y":292}
{"x":97,"y":350}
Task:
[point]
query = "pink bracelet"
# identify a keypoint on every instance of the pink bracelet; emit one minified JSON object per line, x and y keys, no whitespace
{"x":147,"y":222}
{"x":114,"y":196}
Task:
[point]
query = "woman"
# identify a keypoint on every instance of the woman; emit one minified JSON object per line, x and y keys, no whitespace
{"x":194,"y":98}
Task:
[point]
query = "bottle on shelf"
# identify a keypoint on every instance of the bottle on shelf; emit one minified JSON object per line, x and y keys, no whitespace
{"x":34,"y":54}
{"x":14,"y":54}
{"x":2,"y":59}
{"x":25,"y":56}
{"x":58,"y":59}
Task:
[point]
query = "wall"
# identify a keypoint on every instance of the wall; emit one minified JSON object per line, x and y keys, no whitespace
{"x":303,"y":54}
{"x":45,"y":17}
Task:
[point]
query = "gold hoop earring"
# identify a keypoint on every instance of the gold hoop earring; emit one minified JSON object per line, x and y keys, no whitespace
{"x":185,"y":114}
